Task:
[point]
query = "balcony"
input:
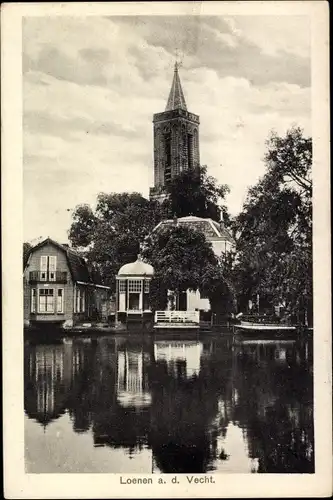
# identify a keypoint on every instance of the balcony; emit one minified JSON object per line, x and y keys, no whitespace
{"x":48,"y":277}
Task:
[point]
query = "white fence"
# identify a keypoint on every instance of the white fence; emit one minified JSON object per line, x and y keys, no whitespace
{"x":177,"y":317}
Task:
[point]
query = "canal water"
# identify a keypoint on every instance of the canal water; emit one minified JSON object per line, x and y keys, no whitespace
{"x":159,"y":404}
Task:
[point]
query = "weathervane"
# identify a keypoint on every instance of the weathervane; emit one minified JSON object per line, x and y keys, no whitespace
{"x":178,"y":62}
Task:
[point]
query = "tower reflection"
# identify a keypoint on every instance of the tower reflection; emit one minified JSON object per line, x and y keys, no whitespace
{"x":198,"y":405}
{"x":123,"y":399}
{"x":132,"y":382}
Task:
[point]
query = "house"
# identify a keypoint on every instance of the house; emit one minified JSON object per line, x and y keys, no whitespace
{"x":59,"y":289}
{"x":222,"y":244}
{"x":215,"y":232}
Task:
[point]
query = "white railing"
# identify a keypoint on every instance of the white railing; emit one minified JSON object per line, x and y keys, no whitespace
{"x":177,"y":317}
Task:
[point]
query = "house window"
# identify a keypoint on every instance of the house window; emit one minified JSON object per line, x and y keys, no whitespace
{"x":79,"y":301}
{"x":33,"y":300}
{"x":52,"y":267}
{"x":135,"y":286}
{"x":46,"y":300}
{"x":122,"y":286}
{"x":60,"y":300}
{"x":82,"y":302}
{"x":43,"y":267}
{"x":146,"y":286}
{"x":48,"y":266}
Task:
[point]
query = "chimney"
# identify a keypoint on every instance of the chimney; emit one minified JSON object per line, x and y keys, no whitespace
{"x":221,"y":216}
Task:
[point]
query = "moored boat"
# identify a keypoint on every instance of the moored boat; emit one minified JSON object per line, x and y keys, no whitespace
{"x":244,"y":325}
{"x":263,"y":323}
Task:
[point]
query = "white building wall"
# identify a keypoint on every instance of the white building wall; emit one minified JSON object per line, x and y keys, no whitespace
{"x":221,"y":247}
{"x":194,"y":301}
{"x":122,"y":302}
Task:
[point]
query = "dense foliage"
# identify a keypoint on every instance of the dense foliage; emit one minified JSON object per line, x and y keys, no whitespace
{"x":26,"y":249}
{"x":275,"y":230}
{"x":113,"y":233}
{"x":182,"y":259}
{"x":193,"y":192}
{"x":218,"y":285}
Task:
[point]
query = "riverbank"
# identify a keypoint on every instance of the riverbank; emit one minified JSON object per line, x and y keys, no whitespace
{"x":51,"y":335}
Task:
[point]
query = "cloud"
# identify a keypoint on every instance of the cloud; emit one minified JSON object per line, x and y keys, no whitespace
{"x":215,"y":43}
{"x":46,"y":123}
{"x":92,"y":85}
{"x":79,"y":69}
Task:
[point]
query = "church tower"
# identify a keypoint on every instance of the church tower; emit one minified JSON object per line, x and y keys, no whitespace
{"x":176,"y":140}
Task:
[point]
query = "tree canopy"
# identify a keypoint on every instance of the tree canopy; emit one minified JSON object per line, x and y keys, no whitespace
{"x":181,"y":258}
{"x":26,"y":249}
{"x":194,"y":192}
{"x":113,"y":232}
{"x":275,"y":227}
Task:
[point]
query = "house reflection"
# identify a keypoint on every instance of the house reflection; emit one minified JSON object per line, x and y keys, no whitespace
{"x":48,"y":372}
{"x":182,"y":358}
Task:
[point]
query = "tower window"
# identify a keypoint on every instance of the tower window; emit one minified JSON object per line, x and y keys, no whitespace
{"x":190,"y":150}
{"x":167,"y":171}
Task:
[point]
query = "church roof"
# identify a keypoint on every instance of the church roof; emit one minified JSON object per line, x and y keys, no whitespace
{"x":176,"y":97}
{"x":137,"y":268}
{"x":210,"y":228}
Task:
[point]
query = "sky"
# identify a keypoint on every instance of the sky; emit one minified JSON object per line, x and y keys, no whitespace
{"x":92,"y":84}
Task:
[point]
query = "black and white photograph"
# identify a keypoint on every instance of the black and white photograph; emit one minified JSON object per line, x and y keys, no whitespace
{"x":169,"y":324}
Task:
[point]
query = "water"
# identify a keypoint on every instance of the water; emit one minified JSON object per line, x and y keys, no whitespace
{"x":163,"y":405}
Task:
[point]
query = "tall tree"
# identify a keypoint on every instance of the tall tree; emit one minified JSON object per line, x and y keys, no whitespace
{"x":81,"y":232}
{"x":275,"y":228}
{"x":218,"y":285}
{"x":112,"y":234}
{"x":194,"y":192}
{"x":181,"y":258}
{"x":26,"y":249}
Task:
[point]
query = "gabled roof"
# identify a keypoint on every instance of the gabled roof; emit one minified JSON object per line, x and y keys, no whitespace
{"x":176,"y":97}
{"x":76,"y":263}
{"x":210,"y":228}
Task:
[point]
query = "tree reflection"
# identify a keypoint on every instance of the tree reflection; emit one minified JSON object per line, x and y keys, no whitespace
{"x":181,"y":408}
{"x":275,"y":406}
{"x":180,"y":398}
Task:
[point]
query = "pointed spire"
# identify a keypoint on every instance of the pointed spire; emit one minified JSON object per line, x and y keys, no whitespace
{"x":176,"y":97}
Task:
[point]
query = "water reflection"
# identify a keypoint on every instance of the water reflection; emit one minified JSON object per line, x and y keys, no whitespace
{"x":198,"y":405}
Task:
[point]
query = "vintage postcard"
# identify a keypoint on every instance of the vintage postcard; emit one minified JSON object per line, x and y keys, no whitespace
{"x":166,"y":250}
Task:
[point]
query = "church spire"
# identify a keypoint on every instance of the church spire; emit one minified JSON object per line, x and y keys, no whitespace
{"x":176,"y":97}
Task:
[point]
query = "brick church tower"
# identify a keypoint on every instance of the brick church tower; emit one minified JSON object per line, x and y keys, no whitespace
{"x":176,"y":140}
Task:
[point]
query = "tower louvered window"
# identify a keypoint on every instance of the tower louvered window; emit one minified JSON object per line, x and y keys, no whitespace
{"x":190,"y":150}
{"x":167,"y":171}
